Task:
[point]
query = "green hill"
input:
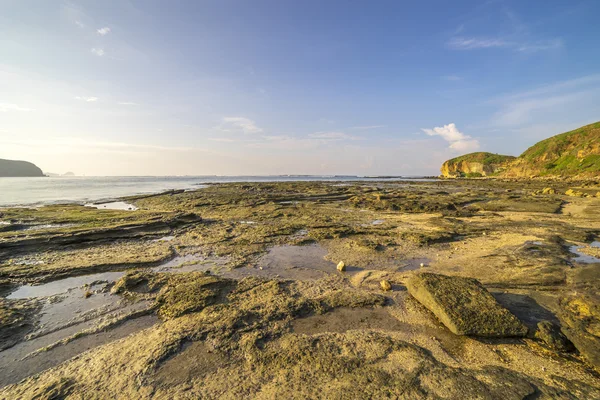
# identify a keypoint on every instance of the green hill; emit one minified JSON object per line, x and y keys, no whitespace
{"x":12,"y":168}
{"x":475,"y":165}
{"x":574,"y":153}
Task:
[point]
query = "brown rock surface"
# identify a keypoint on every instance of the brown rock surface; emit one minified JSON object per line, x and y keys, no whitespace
{"x":464,"y":306}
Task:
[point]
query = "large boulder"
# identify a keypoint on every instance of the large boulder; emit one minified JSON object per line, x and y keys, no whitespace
{"x":464,"y":306}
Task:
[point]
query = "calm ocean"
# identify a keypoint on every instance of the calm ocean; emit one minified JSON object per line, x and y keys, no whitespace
{"x":38,"y":191}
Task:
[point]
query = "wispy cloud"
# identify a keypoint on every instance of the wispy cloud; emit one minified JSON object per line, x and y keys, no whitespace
{"x":127,"y":103}
{"x":367,"y":127}
{"x":332,"y":136}
{"x":532,"y":47}
{"x":90,"y":99}
{"x":226,"y":140}
{"x":6,"y":107}
{"x":462,"y":43}
{"x":103,"y":31}
{"x":520,"y":108}
{"x":79,"y":24}
{"x":458,"y":140}
{"x":98,"y":51}
{"x":523,"y":46}
{"x":246,"y":125}
{"x":75,"y":142}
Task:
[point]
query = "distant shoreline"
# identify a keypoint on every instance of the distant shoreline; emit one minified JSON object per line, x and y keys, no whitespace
{"x":28,"y":192}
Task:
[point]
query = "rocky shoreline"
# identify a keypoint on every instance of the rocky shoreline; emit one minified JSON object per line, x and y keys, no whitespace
{"x":450,"y":289}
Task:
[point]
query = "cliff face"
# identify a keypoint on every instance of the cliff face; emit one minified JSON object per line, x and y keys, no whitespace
{"x":11,"y":168}
{"x":571,"y":154}
{"x":475,"y":165}
{"x":574,"y":154}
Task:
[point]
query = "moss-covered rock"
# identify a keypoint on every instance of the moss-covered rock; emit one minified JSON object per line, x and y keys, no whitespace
{"x":549,"y":333}
{"x":464,"y":306}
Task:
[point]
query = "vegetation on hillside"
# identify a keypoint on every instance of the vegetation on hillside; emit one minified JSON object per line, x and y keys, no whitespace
{"x":574,"y":152}
{"x":570,"y":154}
{"x":482,"y":157}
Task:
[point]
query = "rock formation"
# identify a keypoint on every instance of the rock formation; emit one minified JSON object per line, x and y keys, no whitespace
{"x":475,"y":165}
{"x":574,"y":154}
{"x":464,"y":306}
{"x":11,"y":168}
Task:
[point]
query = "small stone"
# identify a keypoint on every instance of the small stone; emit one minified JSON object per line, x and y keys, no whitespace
{"x":87,"y":294}
{"x":575,"y":193}
{"x":548,"y":191}
{"x":422,"y":265}
{"x":385,"y":285}
{"x":341,"y":266}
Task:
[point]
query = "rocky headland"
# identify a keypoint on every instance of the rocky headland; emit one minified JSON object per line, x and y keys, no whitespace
{"x":475,"y":165}
{"x":13,"y":168}
{"x":572,"y":155}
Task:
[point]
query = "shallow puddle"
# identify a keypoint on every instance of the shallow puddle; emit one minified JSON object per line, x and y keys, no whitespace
{"x":14,"y":368}
{"x":63,"y":285}
{"x":298,"y":263}
{"x":115,"y":205}
{"x":164,"y":239}
{"x":77,"y":304}
{"x":413,"y":264}
{"x":583,"y":257}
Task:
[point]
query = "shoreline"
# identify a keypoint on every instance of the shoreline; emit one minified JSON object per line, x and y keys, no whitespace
{"x":50,"y":194}
{"x":249,"y":271}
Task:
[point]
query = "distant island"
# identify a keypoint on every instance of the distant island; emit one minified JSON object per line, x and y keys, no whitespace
{"x":13,"y":168}
{"x":573,"y":154}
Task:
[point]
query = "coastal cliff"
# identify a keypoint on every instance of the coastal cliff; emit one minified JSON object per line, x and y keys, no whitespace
{"x":574,"y":154}
{"x":570,"y":154}
{"x":475,"y":165}
{"x":12,"y":168}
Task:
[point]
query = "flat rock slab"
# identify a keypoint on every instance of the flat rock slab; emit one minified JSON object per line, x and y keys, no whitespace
{"x":464,"y":306}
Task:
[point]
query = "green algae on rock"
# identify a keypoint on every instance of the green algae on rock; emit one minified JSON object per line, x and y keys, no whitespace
{"x":464,"y":306}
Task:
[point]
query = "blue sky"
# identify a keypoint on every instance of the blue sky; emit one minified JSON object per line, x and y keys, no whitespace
{"x":289,"y":87}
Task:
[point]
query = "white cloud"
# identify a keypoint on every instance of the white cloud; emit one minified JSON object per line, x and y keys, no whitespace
{"x":461,"y":43}
{"x":524,"y":46}
{"x":366,"y":127}
{"x":521,"y":111}
{"x":88,"y":99}
{"x":239,"y":123}
{"x":80,"y":24}
{"x":103,"y":31}
{"x":540,"y":46}
{"x":465,"y":145}
{"x":332,"y":136}
{"x":458,"y":140}
{"x":6,"y":107}
{"x":128,"y":103}
{"x":66,"y":143}
{"x":552,"y":99}
{"x":226,"y":140}
{"x":98,"y":51}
